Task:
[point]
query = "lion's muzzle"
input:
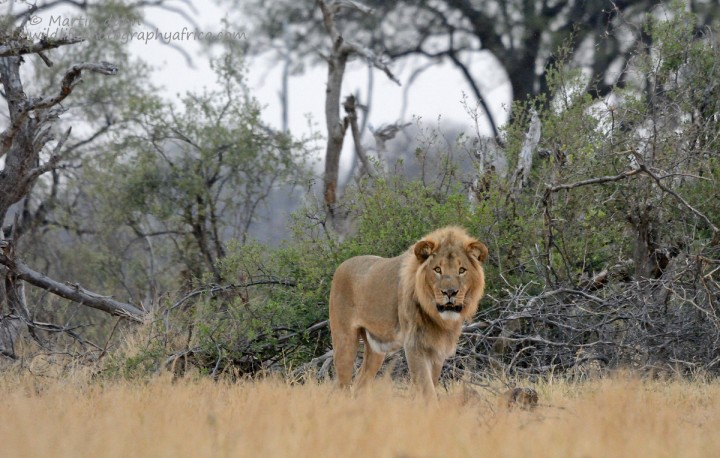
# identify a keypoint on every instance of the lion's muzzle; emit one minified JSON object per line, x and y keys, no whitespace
{"x":450,"y":294}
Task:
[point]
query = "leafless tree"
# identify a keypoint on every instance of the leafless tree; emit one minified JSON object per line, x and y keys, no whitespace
{"x":30,"y":150}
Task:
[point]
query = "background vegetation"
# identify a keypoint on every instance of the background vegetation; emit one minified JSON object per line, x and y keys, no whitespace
{"x":598,"y":201}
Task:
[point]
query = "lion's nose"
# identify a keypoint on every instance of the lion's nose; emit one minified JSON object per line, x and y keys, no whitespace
{"x":450,"y":292}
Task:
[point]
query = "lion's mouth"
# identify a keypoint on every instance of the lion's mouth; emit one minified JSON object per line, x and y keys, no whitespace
{"x":449,"y":308}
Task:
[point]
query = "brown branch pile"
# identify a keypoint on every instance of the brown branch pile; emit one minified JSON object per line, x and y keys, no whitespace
{"x":668,"y":325}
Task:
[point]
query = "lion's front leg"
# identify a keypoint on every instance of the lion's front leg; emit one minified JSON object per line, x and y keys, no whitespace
{"x":421,"y":369}
{"x":436,"y":370}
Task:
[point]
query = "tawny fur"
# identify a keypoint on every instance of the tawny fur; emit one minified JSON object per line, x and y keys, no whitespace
{"x":393,"y":303}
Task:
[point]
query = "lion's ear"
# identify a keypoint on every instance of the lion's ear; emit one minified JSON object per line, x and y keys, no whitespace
{"x":477,"y":250}
{"x":423,"y":249}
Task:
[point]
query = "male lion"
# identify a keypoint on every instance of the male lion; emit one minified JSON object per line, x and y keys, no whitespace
{"x":417,"y":300}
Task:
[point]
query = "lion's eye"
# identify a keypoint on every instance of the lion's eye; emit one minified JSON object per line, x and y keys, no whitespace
{"x":438,"y":270}
{"x":462,"y":270}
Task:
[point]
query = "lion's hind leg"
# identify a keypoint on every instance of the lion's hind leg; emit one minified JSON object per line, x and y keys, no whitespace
{"x":372,"y":360}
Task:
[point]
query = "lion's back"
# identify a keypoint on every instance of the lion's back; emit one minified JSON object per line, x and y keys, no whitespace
{"x":366,"y":282}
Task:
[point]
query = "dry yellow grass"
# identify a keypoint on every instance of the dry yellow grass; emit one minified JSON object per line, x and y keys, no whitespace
{"x":199,"y":418}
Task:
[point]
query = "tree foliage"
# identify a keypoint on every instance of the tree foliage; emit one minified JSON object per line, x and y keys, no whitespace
{"x":197,"y":174}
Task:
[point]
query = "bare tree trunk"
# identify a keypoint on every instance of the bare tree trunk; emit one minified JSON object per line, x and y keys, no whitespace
{"x":9,"y":332}
{"x":284,"y":90}
{"x":10,"y":323}
{"x":13,"y":294}
{"x":525,"y":158}
{"x":644,"y":219}
{"x":340,"y":52}
{"x":335,"y":126}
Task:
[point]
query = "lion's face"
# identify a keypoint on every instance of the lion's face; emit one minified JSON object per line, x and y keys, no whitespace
{"x":450,"y":278}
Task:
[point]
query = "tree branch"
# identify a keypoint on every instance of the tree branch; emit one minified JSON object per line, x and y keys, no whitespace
{"x":349,"y":106}
{"x":70,"y":80}
{"x":212,"y":291}
{"x":598,"y":180}
{"x":51,"y":164}
{"x":73,"y":292}
{"x":678,"y":197}
{"x":476,"y":90}
{"x":17,"y":48}
{"x":642,"y":168}
{"x":373,"y":59}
